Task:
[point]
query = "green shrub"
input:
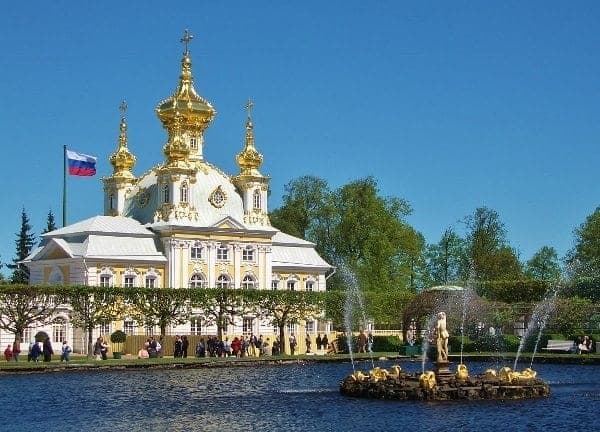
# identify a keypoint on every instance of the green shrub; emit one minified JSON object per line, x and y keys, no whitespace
{"x":118,"y":336}
{"x":511,"y":343}
{"x":454,"y":344}
{"x":386,"y":344}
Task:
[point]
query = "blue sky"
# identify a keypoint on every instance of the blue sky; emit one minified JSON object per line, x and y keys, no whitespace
{"x":450,"y":105}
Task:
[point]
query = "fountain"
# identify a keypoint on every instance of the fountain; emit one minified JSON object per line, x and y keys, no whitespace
{"x":441,"y":383}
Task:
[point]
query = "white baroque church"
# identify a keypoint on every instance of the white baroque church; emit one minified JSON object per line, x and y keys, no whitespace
{"x":183,"y":223}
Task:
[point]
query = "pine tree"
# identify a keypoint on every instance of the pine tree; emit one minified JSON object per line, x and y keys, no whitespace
{"x":50,"y":223}
{"x":24,"y":243}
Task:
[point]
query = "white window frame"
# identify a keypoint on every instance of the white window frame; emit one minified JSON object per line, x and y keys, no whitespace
{"x":247,"y":325}
{"x":309,"y":285}
{"x":248,"y":254}
{"x":166,"y":194}
{"x":196,"y":251}
{"x":196,"y":325}
{"x":275,"y":284}
{"x":129,"y":281}
{"x":291,"y":284}
{"x":129,"y":326}
{"x":222,"y":253}
{"x":256,"y":200}
{"x":184,"y":192}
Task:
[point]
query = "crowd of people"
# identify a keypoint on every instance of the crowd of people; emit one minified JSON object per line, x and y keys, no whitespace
{"x":36,"y":352}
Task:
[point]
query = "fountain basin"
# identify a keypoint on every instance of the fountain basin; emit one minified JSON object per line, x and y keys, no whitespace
{"x":402,"y":386}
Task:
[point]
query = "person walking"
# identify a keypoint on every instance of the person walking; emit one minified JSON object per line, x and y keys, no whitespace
{"x":185,"y":344}
{"x":292,"y":344}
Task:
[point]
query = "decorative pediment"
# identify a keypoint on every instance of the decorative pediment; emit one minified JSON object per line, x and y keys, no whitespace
{"x":228,"y":223}
{"x":55,"y":249}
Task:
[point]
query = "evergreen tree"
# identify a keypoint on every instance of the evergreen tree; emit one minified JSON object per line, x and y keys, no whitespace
{"x":24,"y":243}
{"x":50,"y":223}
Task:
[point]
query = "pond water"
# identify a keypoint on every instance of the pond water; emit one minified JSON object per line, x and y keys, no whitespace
{"x":297,"y":397}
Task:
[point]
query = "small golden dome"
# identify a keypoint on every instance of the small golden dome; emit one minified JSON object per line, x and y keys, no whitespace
{"x":123,"y":160}
{"x":249,"y":159}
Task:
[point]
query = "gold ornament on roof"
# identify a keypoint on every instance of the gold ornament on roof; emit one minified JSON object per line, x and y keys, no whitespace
{"x":176,"y":150}
{"x":249,"y":159}
{"x":218,"y":197}
{"x":123,"y":160}
{"x":195,"y":113}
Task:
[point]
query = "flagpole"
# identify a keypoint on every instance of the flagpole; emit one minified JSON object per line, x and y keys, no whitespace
{"x":64,"y":194}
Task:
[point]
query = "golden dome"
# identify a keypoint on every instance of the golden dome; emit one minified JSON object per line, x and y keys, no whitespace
{"x":194,"y":111}
{"x":249,"y":159}
{"x":122,"y":160}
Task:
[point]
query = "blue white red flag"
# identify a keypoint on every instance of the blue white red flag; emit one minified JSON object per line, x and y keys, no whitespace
{"x":81,"y":164}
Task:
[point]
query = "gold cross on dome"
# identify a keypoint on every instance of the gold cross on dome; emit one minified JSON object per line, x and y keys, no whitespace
{"x":186,"y":39}
{"x":123,"y":108}
{"x":249,"y":105}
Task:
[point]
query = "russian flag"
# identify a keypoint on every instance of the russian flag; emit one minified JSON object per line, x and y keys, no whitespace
{"x":81,"y":164}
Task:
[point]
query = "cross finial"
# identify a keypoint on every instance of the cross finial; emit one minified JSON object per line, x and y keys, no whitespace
{"x":123,"y":108}
{"x":249,"y":105}
{"x":186,"y":39}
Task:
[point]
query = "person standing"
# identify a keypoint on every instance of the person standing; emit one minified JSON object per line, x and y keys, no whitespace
{"x":185,"y":344}
{"x":8,"y":353}
{"x":362,"y":342}
{"x":177,"y":349}
{"x":65,"y":352}
{"x":325,"y":342}
{"x":308,"y":343}
{"x":47,"y":350}
{"x":292,"y":344}
{"x":318,"y":341}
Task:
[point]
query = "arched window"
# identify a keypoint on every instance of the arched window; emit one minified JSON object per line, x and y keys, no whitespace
{"x":59,"y":329}
{"x":197,"y":281}
{"x":183,"y":193}
{"x":194,"y":143}
{"x":223,"y":281}
{"x":248,"y":282}
{"x":165,"y":193}
{"x":196,"y":251}
{"x":222,"y":252}
{"x":256,"y":200}
{"x":111,"y":201}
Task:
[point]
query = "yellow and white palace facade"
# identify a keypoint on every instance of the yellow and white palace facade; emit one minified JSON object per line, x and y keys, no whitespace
{"x":183,"y":223}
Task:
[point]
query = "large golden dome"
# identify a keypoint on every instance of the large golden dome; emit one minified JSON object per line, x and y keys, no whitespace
{"x":186,"y":106}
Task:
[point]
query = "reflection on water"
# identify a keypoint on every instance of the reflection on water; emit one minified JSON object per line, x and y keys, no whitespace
{"x":292,"y":398}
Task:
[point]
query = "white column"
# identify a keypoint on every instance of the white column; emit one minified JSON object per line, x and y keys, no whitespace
{"x":268,"y":268}
{"x":211,"y":260}
{"x":237,"y":260}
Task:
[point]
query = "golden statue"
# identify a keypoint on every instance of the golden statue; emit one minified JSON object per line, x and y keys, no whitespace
{"x":442,"y":338}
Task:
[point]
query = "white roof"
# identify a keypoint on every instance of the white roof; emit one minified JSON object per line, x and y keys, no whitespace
{"x":102,"y":237}
{"x":115,"y":225}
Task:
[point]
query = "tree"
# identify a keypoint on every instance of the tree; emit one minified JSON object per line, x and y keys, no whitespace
{"x":24,"y":243}
{"x":304,"y":203}
{"x":221,"y":305}
{"x":490,"y":256}
{"x":22,"y":306}
{"x":50,"y":223}
{"x":371,"y":237}
{"x":584,"y":259}
{"x":289,"y":307}
{"x":447,"y":260}
{"x":160,"y":307}
{"x":543,"y":265}
{"x":92,"y":306}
